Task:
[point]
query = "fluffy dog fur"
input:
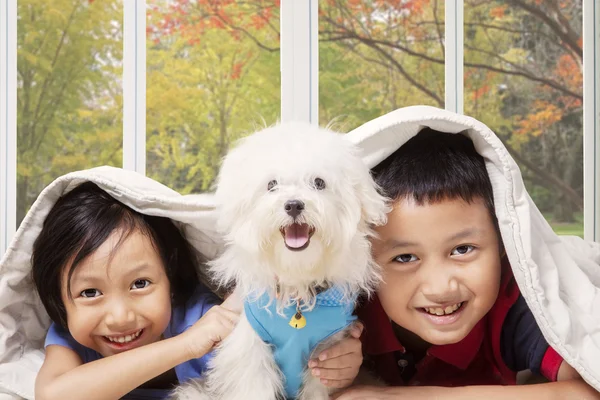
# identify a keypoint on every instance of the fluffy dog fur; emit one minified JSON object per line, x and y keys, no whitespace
{"x":341,"y":202}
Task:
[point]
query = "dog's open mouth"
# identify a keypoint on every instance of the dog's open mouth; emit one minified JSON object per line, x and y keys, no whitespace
{"x":297,"y":236}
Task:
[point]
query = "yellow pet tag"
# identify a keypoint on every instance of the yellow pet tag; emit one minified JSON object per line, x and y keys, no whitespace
{"x":298,"y":321}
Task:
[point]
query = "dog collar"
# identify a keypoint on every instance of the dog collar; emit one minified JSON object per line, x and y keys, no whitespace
{"x":318,"y":289}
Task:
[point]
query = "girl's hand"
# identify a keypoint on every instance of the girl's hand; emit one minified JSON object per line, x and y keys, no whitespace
{"x":233,"y":301}
{"x":338,"y":366}
{"x":209,"y":330}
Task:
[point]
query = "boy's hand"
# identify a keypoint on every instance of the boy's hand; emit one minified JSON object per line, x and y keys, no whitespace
{"x":209,"y":330}
{"x":338,"y":366}
{"x":364,"y":393}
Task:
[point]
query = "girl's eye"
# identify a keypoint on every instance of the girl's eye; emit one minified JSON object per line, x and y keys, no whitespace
{"x":90,"y":293}
{"x":404,"y":258}
{"x":140,"y":284}
{"x":461,"y":250}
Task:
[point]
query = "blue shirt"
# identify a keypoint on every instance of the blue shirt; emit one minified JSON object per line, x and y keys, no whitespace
{"x":294,"y":339}
{"x":181,"y":319}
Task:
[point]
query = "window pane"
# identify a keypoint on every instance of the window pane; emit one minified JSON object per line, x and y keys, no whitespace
{"x":69,"y":96}
{"x":377,"y":56}
{"x":212,"y":77}
{"x":523,"y":78}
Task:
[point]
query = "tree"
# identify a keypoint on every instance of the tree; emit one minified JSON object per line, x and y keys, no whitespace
{"x":207,"y":86}
{"x":522,"y":75}
{"x":69,"y":103}
{"x":527,"y":59}
{"x":213,"y":72}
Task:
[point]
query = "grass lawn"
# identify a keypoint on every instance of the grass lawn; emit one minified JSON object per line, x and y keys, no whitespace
{"x":561,"y":228}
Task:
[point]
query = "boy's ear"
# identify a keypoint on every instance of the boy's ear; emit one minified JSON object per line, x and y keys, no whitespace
{"x":502,"y":249}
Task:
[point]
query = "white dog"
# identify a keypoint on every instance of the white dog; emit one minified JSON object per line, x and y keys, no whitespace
{"x":296,"y":207}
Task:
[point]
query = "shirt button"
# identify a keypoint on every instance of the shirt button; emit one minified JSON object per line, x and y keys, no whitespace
{"x":402,"y":363}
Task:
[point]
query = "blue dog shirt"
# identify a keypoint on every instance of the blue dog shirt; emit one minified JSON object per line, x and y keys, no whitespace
{"x":294,"y":337}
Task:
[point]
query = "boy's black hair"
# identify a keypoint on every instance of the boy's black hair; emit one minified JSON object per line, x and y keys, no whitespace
{"x":80,"y":222}
{"x":434,"y":166}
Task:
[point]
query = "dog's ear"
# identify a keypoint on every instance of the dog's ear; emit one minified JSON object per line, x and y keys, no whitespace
{"x":374,"y":206}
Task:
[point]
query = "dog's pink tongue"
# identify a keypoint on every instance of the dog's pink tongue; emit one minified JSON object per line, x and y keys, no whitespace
{"x":296,"y":235}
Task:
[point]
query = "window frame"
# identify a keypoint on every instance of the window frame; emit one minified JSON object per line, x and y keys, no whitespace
{"x":8,"y":123}
{"x":134,"y":86}
{"x":591,"y":123}
{"x":299,"y":65}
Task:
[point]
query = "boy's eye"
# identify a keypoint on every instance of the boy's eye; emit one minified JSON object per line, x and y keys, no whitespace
{"x":464,"y":249}
{"x":140,"y":284}
{"x":404,"y":258}
{"x":90,"y":293}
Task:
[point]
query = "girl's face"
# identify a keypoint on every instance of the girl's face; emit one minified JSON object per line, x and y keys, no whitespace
{"x":120,"y":296}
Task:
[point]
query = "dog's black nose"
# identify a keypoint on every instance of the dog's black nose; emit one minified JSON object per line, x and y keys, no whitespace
{"x":293,"y":207}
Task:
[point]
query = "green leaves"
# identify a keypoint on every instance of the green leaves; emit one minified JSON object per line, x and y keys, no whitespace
{"x":69,"y":93}
{"x":203,"y":94}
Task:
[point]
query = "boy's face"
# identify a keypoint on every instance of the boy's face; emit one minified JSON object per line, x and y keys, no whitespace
{"x":441,"y":267}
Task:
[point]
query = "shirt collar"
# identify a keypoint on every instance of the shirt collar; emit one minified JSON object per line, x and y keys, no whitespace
{"x":380,"y":338}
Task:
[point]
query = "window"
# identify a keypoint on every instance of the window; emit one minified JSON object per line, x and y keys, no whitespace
{"x":377,"y":56}
{"x":165,"y":87}
{"x":212,"y":77}
{"x":69,"y":92}
{"x":524,"y":79}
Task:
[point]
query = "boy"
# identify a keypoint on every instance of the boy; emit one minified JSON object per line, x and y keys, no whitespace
{"x":449,"y":313}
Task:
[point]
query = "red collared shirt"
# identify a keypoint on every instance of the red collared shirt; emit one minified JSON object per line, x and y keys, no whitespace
{"x":475,"y":360}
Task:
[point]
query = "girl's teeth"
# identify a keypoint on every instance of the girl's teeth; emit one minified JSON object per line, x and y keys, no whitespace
{"x":126,"y":338}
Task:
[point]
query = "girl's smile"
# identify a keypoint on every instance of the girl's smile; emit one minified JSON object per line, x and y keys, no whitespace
{"x":120,"y":296}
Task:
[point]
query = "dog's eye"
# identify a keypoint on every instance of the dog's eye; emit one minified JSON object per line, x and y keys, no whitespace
{"x":319,"y":184}
{"x":272,"y":185}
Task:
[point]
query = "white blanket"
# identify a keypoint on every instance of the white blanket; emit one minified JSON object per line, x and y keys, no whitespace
{"x":23,"y":320}
{"x":559,"y":277}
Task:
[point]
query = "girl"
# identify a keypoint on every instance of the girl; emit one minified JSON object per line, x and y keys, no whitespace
{"x":130,"y":315}
{"x":121,"y":284}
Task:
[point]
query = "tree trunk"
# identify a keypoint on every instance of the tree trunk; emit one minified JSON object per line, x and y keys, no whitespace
{"x":563,"y":211}
{"x":22,"y":200}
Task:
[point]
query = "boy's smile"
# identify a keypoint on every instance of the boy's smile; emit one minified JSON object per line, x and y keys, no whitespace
{"x":443,"y":315}
{"x":441,"y":267}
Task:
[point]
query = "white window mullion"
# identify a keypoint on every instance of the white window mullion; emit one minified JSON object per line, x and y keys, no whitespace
{"x":591,"y":124}
{"x":314,"y":61}
{"x":8,"y":123}
{"x":299,"y":60}
{"x":134,"y":85}
{"x":454,"y":39}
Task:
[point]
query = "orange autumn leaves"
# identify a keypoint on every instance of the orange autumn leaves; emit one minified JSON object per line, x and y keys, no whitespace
{"x":553,"y":104}
{"x":192,"y":20}
{"x":546,"y":113}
